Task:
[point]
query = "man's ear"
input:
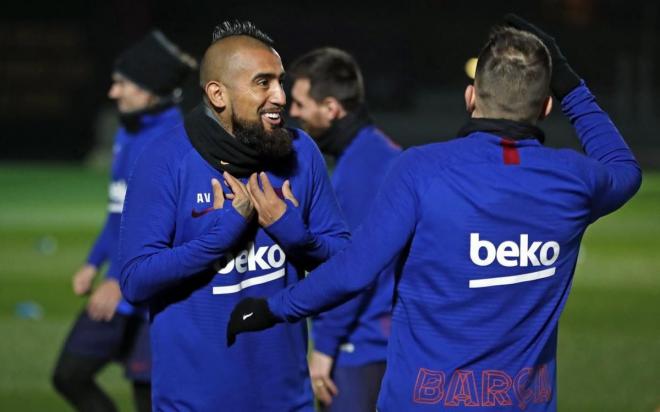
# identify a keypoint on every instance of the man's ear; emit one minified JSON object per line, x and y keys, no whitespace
{"x":332,"y":108}
{"x":470,"y":94}
{"x":216,"y":93}
{"x":546,"y":108}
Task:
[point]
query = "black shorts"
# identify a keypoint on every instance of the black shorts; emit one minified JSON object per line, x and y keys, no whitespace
{"x":124,"y":339}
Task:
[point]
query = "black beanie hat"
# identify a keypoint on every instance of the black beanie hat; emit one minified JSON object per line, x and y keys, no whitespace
{"x":155,"y":64}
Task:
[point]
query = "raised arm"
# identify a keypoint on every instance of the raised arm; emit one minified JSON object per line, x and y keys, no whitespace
{"x":619,"y":176}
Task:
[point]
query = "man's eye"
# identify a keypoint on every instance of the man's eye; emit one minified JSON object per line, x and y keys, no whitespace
{"x":262,"y":82}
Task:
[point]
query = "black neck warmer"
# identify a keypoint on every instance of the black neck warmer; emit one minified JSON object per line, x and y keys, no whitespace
{"x":509,"y":129}
{"x":132,"y":121}
{"x":342,"y":132}
{"x":224,"y":152}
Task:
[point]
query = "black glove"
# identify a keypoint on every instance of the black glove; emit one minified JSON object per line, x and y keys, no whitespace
{"x":563,"y":79}
{"x":250,"y":314}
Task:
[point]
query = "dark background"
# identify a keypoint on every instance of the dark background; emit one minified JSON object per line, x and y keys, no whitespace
{"x":57,"y":59}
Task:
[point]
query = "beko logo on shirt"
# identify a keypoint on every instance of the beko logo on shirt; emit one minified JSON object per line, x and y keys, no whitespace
{"x":511,"y":254}
{"x":264,"y":257}
{"x":251,"y":259}
{"x":116,"y":195}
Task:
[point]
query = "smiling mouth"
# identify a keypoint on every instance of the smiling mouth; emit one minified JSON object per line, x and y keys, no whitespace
{"x":272,"y":118}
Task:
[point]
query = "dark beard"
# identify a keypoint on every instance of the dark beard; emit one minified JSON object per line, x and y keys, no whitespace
{"x":270,"y":145}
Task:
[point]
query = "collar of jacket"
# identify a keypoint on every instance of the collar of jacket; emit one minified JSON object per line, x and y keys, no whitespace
{"x":504,"y":128}
{"x":342,"y":132}
{"x":220,"y":149}
{"x":135,"y":121}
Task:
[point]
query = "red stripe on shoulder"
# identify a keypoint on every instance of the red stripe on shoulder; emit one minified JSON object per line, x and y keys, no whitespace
{"x":510,"y":154}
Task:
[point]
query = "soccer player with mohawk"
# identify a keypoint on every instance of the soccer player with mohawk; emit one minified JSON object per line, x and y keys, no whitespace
{"x":230,"y":204}
{"x":489,"y":226}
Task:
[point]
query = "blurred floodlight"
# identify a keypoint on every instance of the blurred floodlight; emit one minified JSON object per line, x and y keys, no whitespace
{"x":471,"y":67}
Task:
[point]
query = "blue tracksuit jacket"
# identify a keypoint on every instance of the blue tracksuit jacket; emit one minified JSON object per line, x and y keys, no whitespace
{"x":126,"y":149}
{"x":193,"y":264}
{"x":490,"y":246}
{"x":358,"y":174}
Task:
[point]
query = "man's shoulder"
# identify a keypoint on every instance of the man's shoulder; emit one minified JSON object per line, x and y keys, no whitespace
{"x":374,"y":139}
{"x":431,"y":152}
{"x":302,"y":142}
{"x":170,"y":147}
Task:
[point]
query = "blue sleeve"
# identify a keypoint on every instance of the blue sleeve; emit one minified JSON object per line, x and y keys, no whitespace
{"x":100,"y":252}
{"x":150,"y":262}
{"x":359,"y":185}
{"x":312,"y":242}
{"x":380,"y":239}
{"x":619,"y":176}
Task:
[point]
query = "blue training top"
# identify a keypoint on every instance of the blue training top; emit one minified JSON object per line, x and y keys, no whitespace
{"x":193,"y":264}
{"x":126,"y":149}
{"x":359,"y":173}
{"x":490,"y":233}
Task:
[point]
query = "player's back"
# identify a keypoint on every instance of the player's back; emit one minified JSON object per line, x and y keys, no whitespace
{"x":489,"y":231}
{"x":487,"y":272}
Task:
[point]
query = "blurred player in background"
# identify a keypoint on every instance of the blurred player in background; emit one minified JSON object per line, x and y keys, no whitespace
{"x":348,"y":361}
{"x":230,"y":204}
{"x":489,"y":226}
{"x":146,"y":85}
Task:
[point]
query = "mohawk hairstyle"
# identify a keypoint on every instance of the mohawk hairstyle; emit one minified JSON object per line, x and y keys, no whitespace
{"x":240,"y":28}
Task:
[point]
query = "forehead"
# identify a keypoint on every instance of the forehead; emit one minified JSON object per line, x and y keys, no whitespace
{"x":120,"y":78}
{"x":249,"y":62}
{"x":300,"y":88}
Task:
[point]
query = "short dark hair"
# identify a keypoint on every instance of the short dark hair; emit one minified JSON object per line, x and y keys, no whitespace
{"x":332,"y":73}
{"x":240,"y":28}
{"x":513,"y":74}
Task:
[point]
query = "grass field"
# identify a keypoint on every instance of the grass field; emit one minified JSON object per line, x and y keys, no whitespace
{"x":609,"y":340}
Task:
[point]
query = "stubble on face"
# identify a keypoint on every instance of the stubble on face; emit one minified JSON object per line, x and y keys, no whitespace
{"x":308,"y":111}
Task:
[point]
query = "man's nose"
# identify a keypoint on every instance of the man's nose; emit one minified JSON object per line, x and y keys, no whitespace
{"x":278,"y":96}
{"x":294,"y":111}
{"x":113,"y":92}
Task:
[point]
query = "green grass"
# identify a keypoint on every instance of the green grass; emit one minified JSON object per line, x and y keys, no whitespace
{"x":62,"y":208}
{"x":609,"y":339}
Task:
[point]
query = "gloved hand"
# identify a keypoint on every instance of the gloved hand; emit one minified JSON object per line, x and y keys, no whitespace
{"x":250,"y":314}
{"x":563,"y":79}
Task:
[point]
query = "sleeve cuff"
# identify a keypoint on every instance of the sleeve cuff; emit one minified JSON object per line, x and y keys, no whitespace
{"x":326,"y":344}
{"x":274,"y":307}
{"x":94,"y":262}
{"x":574,"y":96}
{"x":290,"y":229}
{"x":228,"y":223}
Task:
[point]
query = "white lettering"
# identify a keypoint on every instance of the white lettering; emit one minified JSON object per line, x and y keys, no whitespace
{"x":241,"y":261}
{"x":116,"y":195}
{"x":545,"y":259}
{"x":227,"y":264}
{"x":476,"y":245}
{"x":528,"y":253}
{"x":255,"y":259}
{"x":506,"y":250}
{"x":271,"y":256}
{"x":510,"y":254}
{"x":251,"y":259}
{"x":203,"y":197}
